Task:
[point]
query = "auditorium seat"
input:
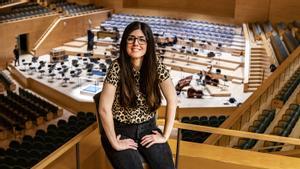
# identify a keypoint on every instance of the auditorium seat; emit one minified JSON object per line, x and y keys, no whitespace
{"x":200,"y":137}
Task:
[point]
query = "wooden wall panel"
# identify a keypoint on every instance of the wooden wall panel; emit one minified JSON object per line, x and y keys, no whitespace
{"x":224,"y":8}
{"x":239,"y":10}
{"x":251,"y":11}
{"x":69,"y":28}
{"x":114,"y":4}
{"x":287,"y":10}
{"x":81,"y":2}
{"x":9,"y":31}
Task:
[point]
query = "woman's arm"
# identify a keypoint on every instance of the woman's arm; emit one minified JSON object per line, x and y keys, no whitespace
{"x":169,"y":92}
{"x":105,"y":109}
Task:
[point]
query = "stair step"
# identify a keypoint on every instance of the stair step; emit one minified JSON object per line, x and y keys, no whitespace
{"x":251,"y":89}
{"x":254,"y":85}
{"x":256,"y":66}
{"x":258,"y":52}
{"x":256,"y":73}
{"x":256,"y":48}
{"x":262,"y":57}
{"x":255,"y":77}
{"x":256,"y":70}
{"x":254,"y":81}
{"x":258,"y":55}
{"x":257,"y":62}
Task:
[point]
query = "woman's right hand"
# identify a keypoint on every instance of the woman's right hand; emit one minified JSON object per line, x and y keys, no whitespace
{"x":125,"y":144}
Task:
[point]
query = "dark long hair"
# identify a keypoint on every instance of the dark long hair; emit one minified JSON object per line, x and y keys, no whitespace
{"x":148,"y":71}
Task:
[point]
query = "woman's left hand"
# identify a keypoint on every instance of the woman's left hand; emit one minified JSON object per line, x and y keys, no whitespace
{"x":149,"y":140}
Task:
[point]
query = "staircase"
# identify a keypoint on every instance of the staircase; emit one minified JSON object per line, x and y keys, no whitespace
{"x":259,"y":67}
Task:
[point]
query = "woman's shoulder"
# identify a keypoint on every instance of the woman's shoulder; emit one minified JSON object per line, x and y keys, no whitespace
{"x":115,"y":65}
{"x":160,"y":65}
{"x":163,"y":72}
{"x":113,"y":75}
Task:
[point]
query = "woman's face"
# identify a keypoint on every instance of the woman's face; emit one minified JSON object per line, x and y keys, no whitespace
{"x":136,"y":44}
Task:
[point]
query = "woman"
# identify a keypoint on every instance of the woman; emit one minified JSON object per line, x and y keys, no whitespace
{"x":130,"y":96}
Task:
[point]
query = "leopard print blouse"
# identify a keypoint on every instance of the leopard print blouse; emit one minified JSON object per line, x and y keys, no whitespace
{"x":142,"y":112}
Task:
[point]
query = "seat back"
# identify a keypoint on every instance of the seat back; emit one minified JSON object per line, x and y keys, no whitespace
{"x":96,"y":100}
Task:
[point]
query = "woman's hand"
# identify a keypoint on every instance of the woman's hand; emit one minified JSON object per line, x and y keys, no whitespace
{"x":125,"y":144}
{"x":154,"y":138}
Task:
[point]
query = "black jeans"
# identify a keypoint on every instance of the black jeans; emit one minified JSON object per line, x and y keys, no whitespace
{"x":158,"y":156}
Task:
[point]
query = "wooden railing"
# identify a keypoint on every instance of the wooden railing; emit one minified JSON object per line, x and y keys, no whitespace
{"x":269,"y":50}
{"x":247,"y":54}
{"x":13,"y":4}
{"x":260,"y":98}
{"x":186,"y":151}
{"x":195,"y":150}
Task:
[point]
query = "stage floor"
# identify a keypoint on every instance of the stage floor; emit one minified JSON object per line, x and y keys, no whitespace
{"x":214,"y":97}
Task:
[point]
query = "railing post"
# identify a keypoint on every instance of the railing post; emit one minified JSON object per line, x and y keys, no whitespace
{"x":77,"y":156}
{"x":177,"y":147}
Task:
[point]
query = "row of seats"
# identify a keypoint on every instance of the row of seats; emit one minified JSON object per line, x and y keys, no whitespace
{"x":28,"y":151}
{"x":285,"y":125}
{"x":5,"y":2}
{"x":288,"y":88}
{"x":186,"y":29}
{"x":281,"y":27}
{"x":279,"y":49}
{"x":21,"y":112}
{"x":200,"y":137}
{"x":31,"y":6}
{"x":267,"y":27}
{"x":24,"y":11}
{"x":51,"y":107}
{"x":180,"y":31}
{"x":13,"y":117}
{"x":257,"y":31}
{"x":259,"y":126}
{"x":7,"y":82}
{"x":71,"y":8}
{"x":290,"y":41}
{"x":21,"y":100}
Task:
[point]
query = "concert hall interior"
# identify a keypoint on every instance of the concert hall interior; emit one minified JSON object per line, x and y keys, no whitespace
{"x":235,"y":65}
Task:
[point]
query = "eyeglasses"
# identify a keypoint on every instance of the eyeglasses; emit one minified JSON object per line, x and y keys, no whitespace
{"x":141,"y":39}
